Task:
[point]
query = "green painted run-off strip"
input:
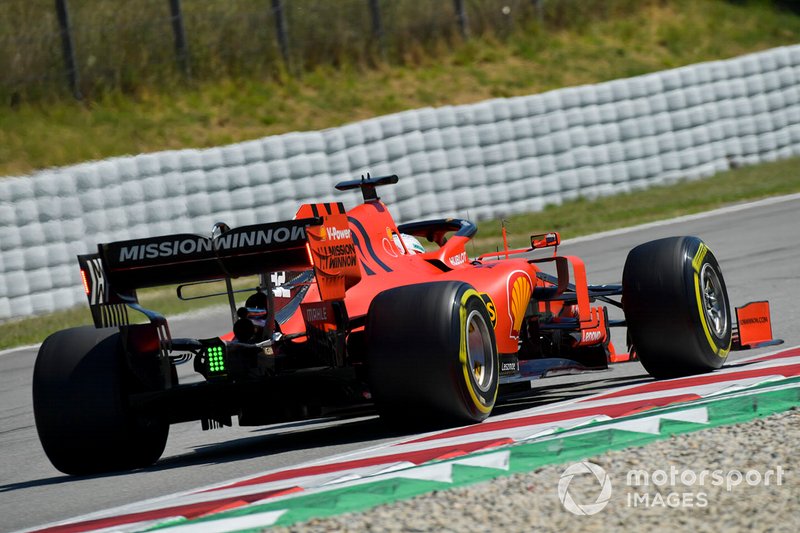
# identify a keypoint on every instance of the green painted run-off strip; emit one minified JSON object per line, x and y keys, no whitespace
{"x":731,"y":408}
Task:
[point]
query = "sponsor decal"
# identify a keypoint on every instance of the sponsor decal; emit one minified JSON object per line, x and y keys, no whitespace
{"x":336,"y":264}
{"x":278,"y":279}
{"x":490,"y":307}
{"x":336,"y":256}
{"x":459,"y":259}
{"x":591,"y":336}
{"x":317,"y":314}
{"x":336,"y":234}
{"x":699,"y":256}
{"x":508,"y":367}
{"x":391,"y":248}
{"x":754,"y":320}
{"x":193,"y":245}
{"x":519,"y":289}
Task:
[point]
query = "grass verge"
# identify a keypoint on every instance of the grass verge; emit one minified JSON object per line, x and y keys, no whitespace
{"x":572,"y":219}
{"x":659,"y":35}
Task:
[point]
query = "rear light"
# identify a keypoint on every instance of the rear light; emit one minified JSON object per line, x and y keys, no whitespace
{"x":85,"y":280}
{"x":310,"y":257}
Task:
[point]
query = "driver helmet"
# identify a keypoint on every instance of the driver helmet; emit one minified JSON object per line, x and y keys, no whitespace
{"x":412,"y":244}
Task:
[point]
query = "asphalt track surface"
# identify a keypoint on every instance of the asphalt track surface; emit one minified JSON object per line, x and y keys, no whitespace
{"x":757,"y":245}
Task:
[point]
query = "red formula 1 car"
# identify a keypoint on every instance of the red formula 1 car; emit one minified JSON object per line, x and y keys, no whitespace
{"x":350,"y":310}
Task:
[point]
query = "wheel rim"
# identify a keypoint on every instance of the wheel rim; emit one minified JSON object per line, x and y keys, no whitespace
{"x":714,"y":305}
{"x":480,"y":355}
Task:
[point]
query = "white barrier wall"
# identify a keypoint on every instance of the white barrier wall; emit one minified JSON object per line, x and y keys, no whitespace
{"x":479,"y":161}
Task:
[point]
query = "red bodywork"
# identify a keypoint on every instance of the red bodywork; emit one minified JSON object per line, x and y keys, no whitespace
{"x":506,"y":280}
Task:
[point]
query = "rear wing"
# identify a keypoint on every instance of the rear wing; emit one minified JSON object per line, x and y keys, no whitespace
{"x":112,"y":275}
{"x":185,"y":257}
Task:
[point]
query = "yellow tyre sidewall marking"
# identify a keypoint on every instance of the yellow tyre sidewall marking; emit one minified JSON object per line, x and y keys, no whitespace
{"x":463,"y":357}
{"x":696,"y":264}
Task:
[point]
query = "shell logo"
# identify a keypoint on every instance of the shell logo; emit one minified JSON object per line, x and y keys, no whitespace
{"x":520,"y":295}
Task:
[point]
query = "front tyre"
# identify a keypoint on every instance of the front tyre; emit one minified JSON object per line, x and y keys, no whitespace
{"x":432,"y":355}
{"x":676,"y":307}
{"x":80,"y":393}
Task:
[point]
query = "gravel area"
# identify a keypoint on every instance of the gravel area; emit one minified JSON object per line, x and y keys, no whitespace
{"x":530,"y":502}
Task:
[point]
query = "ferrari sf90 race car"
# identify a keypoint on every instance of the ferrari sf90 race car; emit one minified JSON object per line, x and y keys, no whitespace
{"x":349,"y":311}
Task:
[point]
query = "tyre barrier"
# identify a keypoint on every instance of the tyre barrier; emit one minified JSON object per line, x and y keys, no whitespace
{"x":484,"y":160}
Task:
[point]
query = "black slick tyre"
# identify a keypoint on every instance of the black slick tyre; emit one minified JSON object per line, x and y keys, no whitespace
{"x":431,"y":355}
{"x":80,"y":388}
{"x":676,"y":307}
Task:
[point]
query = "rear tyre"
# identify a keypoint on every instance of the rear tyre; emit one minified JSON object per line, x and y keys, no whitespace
{"x":676,"y":307}
{"x":80,"y":390}
{"x":431,"y":355}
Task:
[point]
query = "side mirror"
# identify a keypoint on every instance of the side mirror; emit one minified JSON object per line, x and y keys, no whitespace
{"x":545,"y":240}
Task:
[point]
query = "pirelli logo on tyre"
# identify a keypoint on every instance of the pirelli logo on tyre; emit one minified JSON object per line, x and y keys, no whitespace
{"x":702,"y":250}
